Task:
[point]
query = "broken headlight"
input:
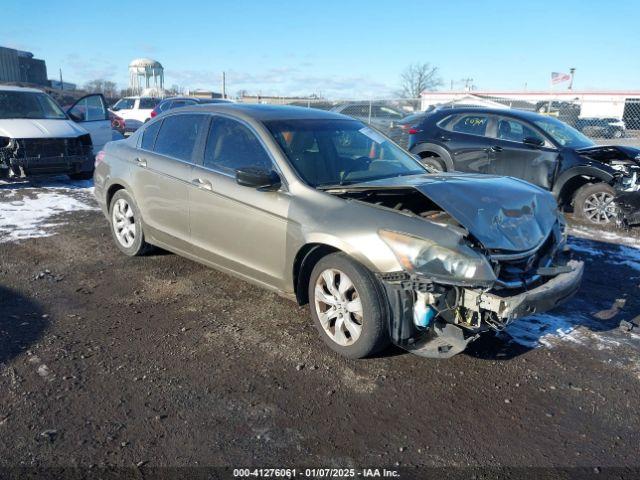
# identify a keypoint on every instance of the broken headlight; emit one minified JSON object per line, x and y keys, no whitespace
{"x":427,"y":257}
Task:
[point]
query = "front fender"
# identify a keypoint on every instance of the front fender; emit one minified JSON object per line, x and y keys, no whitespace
{"x":369,"y":250}
{"x":601,"y":172}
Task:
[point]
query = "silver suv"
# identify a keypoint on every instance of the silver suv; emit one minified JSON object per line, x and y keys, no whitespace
{"x":327,"y":211}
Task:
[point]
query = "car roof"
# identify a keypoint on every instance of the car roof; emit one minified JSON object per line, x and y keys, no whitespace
{"x":267,"y":112}
{"x":12,"y":88}
{"x":506,"y":112}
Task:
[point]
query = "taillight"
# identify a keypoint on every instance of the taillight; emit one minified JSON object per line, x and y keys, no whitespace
{"x":153,"y":113}
{"x":100,"y":157}
{"x":413,"y":131}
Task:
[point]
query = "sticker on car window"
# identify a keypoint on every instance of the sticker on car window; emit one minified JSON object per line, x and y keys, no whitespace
{"x":373,"y":135}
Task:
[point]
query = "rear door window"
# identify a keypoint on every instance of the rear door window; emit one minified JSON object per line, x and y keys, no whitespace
{"x":471,"y":124}
{"x":148,"y":103}
{"x":178,"y":135}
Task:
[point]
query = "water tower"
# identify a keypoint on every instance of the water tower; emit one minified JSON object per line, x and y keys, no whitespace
{"x":145,"y":74}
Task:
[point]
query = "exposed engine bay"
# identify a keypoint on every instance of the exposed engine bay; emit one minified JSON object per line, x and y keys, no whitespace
{"x":623,"y":160}
{"x":31,"y":156}
{"x":439,"y":319}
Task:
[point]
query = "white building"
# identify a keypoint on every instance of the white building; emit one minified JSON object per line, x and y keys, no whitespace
{"x":147,"y":75}
{"x":623,"y":105}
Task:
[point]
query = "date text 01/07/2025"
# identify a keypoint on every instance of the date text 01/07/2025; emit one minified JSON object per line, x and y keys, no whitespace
{"x":315,"y":473}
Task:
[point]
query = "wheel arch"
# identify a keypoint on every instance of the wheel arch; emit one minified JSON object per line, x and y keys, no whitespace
{"x":424,"y":149}
{"x":573,"y":179}
{"x":306,"y":258}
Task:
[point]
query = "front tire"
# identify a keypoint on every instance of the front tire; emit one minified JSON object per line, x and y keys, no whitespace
{"x":593,"y":203}
{"x":347,"y":307}
{"x":126,"y":225}
{"x":434,"y":163}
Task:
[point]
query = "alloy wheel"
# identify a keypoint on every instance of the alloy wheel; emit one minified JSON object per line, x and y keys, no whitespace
{"x":339,"y":307}
{"x":599,"y":208}
{"x":124,"y":224}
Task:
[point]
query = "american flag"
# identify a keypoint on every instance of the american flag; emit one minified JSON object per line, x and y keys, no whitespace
{"x":557,"y":77}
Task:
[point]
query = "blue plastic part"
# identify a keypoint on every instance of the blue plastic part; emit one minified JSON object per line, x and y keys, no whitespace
{"x":429,"y":313}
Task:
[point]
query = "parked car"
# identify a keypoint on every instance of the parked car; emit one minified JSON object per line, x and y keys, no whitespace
{"x":399,"y":131}
{"x":537,"y":148}
{"x":379,"y":115}
{"x":601,"y":127}
{"x":327,"y":211}
{"x":177,"y":102}
{"x":135,"y":108}
{"x":38,"y":137}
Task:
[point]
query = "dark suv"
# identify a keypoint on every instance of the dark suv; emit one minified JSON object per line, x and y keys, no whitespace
{"x":537,"y":148}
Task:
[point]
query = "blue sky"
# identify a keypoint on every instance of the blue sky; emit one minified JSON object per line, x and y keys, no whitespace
{"x":338,"y":48}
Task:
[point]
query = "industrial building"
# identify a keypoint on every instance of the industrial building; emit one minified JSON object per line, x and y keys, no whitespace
{"x":20,"y":66}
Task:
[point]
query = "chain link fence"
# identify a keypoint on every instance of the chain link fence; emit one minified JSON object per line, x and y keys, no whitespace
{"x":605,"y":118}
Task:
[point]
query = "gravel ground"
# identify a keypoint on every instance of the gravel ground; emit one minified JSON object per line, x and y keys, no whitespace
{"x":158,"y":361}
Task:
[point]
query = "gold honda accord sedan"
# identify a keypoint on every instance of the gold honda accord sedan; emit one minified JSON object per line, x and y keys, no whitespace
{"x":327,"y":211}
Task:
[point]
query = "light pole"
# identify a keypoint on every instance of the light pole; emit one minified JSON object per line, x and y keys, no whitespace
{"x":572,"y":71}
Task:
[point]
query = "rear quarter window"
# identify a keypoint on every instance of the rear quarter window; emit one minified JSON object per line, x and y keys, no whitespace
{"x":149,"y":136}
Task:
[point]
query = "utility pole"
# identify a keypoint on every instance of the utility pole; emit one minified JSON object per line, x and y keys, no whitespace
{"x":572,"y":72}
{"x":224,"y":85}
{"x":61,"y":83}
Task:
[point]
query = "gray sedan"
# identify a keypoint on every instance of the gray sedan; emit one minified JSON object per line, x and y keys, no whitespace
{"x":325,"y":210}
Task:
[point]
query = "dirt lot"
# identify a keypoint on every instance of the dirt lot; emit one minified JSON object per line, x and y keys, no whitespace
{"x":158,"y":361}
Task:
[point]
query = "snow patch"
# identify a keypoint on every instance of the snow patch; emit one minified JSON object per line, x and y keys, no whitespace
{"x":28,"y":214}
{"x":578,"y":325}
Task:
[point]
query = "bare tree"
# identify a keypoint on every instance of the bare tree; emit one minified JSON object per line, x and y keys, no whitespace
{"x":106,"y":87}
{"x":417,"y":78}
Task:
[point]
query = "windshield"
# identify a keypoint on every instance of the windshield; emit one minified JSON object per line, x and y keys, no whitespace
{"x":563,"y":133}
{"x":340,"y":152}
{"x":32,"y":105}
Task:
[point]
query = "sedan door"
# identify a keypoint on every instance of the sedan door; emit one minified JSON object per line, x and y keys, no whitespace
{"x":467,"y":137}
{"x":521,"y":151}
{"x":92,"y":114}
{"x":162,"y":174}
{"x":240,"y":229}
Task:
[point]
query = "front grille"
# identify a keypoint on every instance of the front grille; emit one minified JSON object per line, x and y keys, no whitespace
{"x":51,"y":147}
{"x":522,"y":270}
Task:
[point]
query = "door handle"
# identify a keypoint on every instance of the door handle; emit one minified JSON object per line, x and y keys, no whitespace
{"x":203,"y":184}
{"x":142,"y":162}
{"x":496,"y":148}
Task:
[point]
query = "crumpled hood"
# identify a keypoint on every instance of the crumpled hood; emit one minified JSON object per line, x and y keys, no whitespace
{"x":501,"y":212}
{"x":610,"y":152}
{"x":27,"y":128}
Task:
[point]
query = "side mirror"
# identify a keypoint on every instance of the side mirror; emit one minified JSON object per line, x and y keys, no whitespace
{"x":258,"y":178}
{"x":533,"y":141}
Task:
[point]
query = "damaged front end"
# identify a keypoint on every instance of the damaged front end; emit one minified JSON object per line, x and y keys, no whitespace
{"x":511,"y":260}
{"x":21,"y":157}
{"x":625,"y":165}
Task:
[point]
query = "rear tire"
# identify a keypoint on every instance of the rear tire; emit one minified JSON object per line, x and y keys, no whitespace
{"x":126,"y":225}
{"x":349,"y":299}
{"x":593,"y":203}
{"x":435,"y":163}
